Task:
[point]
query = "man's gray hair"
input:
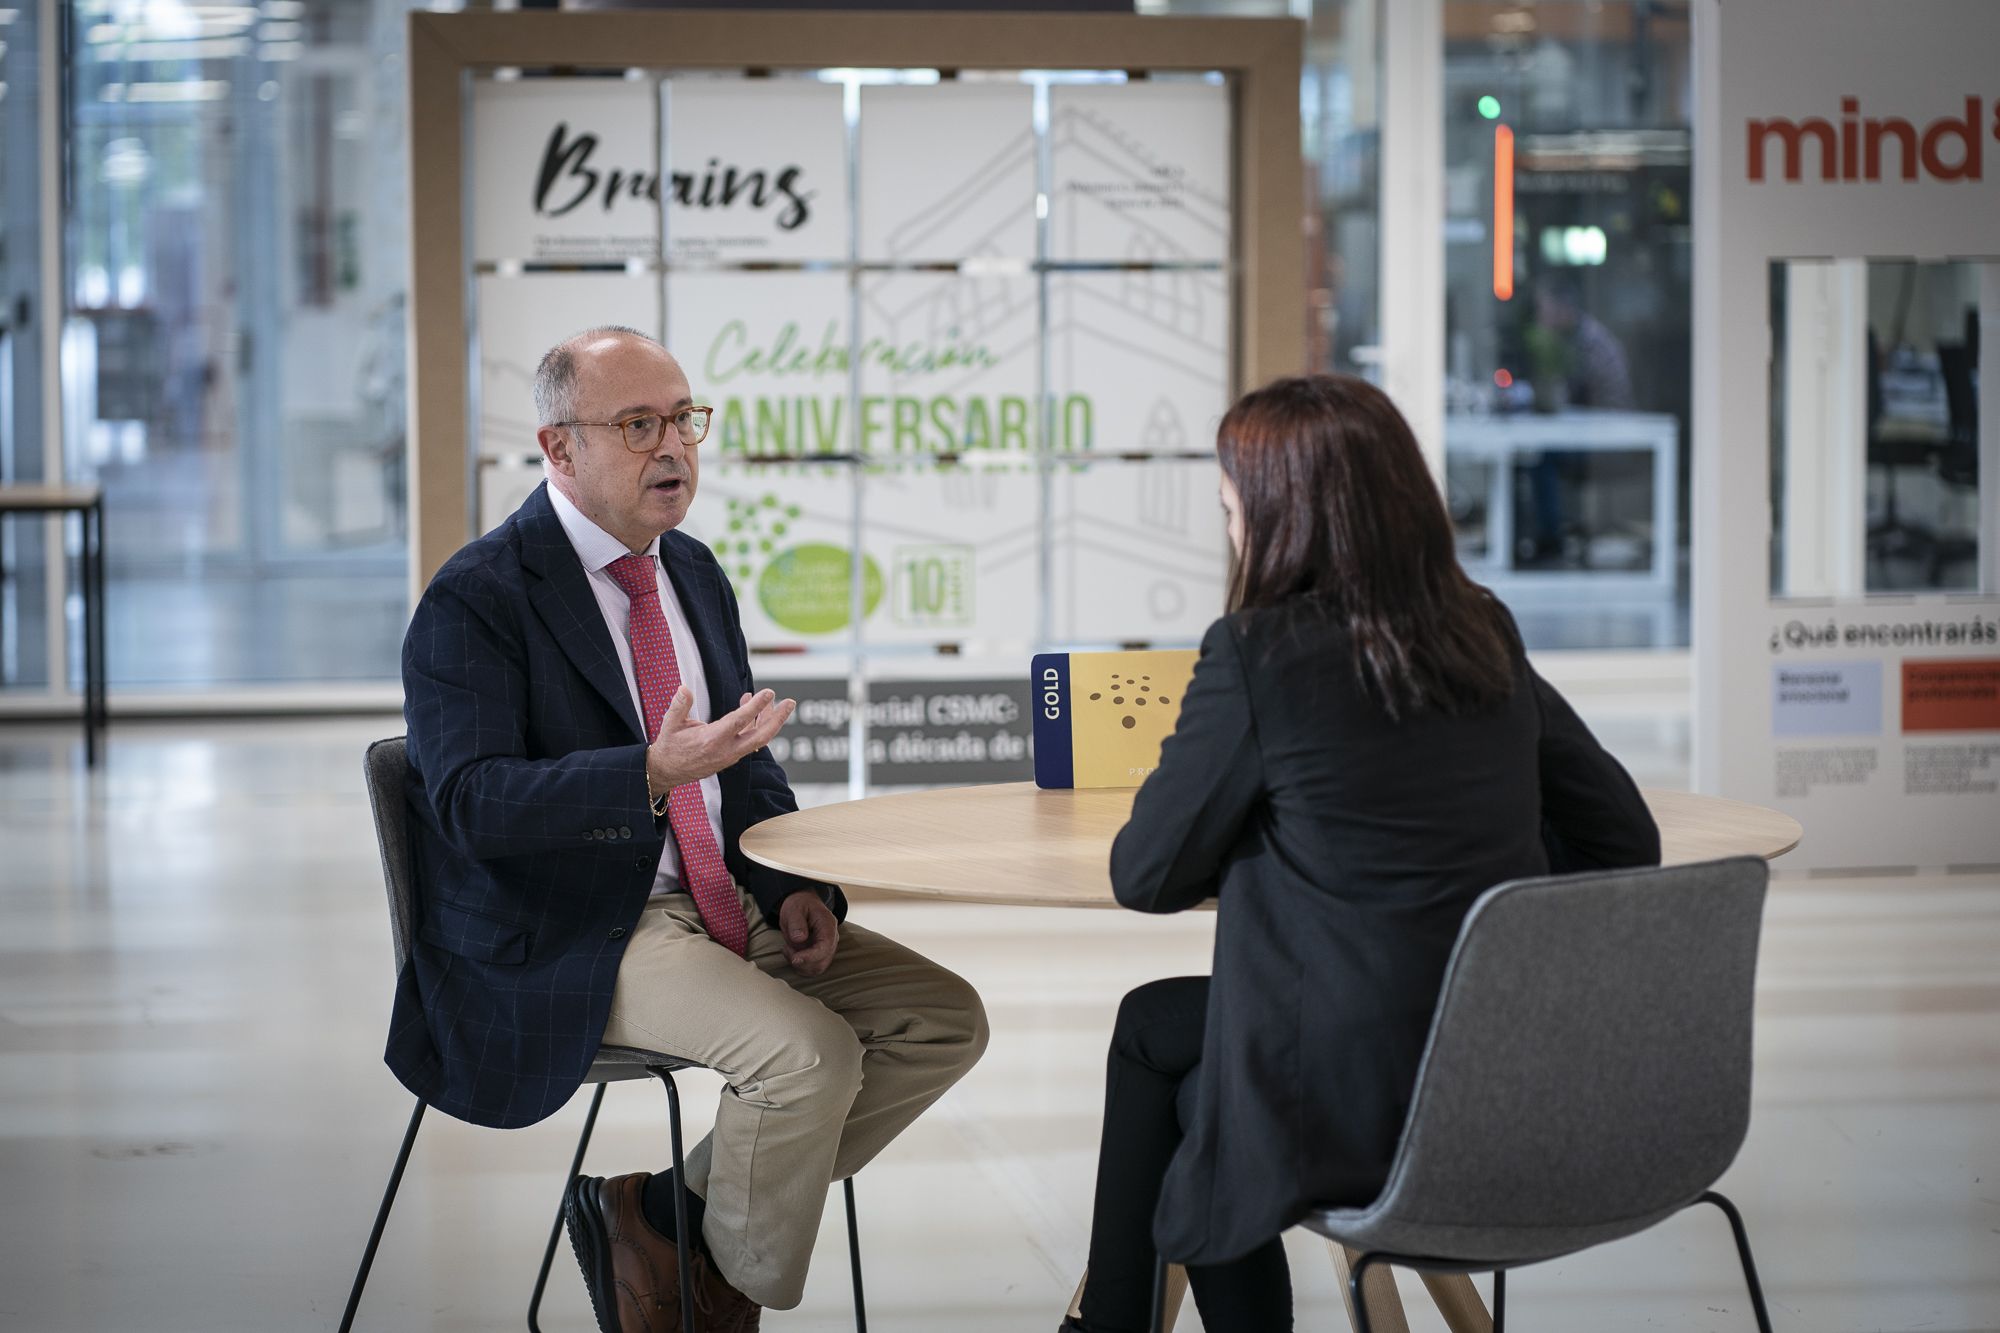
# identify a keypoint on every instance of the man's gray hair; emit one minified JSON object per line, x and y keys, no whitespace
{"x":555,"y":376}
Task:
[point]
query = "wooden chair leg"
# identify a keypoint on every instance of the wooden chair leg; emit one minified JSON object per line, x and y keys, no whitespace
{"x":1177,"y":1285}
{"x":1458,"y":1301}
{"x":1385,"y":1307}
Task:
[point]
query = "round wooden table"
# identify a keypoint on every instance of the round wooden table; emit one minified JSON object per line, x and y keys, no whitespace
{"x":1014,"y":843}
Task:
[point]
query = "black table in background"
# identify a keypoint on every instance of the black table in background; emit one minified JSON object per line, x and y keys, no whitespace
{"x":88,"y":503}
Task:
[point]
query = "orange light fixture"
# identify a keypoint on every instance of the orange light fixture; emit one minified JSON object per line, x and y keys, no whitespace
{"x":1503,"y":212}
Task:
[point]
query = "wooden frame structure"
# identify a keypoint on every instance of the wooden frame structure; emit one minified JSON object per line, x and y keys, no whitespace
{"x":1262,"y":59}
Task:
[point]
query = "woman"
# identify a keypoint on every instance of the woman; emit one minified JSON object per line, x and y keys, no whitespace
{"x":1363,"y":750}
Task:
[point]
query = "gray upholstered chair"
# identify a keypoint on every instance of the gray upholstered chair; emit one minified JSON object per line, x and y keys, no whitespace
{"x":387,"y":771}
{"x":1587,"y":1076}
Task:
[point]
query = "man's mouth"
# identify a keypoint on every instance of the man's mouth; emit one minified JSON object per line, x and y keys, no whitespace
{"x":671,"y":486}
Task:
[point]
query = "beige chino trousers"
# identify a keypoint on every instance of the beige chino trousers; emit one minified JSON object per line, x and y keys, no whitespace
{"x":822,"y":1071}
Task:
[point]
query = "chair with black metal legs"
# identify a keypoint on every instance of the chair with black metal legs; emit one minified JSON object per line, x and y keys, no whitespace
{"x":1587,"y":1077}
{"x":386,"y":768}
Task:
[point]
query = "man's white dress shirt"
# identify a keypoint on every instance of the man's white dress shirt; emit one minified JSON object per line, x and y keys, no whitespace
{"x":597,"y":548}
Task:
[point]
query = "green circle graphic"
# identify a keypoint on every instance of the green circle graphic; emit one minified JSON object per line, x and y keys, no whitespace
{"x":806,"y":588}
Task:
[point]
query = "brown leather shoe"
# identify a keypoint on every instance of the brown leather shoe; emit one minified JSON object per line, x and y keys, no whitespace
{"x":631,"y":1270}
{"x":725,"y":1309}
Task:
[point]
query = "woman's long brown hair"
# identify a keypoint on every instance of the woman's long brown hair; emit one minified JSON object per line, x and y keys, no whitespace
{"x":1338,"y":506}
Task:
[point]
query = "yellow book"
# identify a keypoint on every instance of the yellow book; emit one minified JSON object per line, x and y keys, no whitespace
{"x":1100,"y":718}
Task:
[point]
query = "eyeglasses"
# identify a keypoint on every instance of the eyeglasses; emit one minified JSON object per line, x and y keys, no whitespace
{"x":643,"y":432}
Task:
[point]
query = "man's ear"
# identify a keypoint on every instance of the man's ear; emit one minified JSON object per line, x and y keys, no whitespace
{"x":558,"y":446}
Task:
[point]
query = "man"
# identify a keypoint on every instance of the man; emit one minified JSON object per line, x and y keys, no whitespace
{"x":581,"y":785}
{"x":1594,"y":369}
{"x":1586,"y":368}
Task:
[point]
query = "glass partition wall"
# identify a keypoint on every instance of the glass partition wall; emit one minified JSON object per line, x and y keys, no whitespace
{"x":1568,"y":264}
{"x":1877,"y":445}
{"x":31,"y":613}
{"x":232,"y":356}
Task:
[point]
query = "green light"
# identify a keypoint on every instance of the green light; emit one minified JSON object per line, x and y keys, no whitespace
{"x":1489,"y":107}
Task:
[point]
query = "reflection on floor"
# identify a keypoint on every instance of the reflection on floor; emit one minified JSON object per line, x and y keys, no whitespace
{"x":195,"y":1122}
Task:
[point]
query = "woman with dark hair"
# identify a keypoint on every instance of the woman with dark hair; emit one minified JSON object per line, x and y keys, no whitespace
{"x":1363,"y":750}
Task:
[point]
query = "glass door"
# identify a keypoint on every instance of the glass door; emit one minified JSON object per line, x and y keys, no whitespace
{"x":1568,"y":261}
{"x":232,"y":364}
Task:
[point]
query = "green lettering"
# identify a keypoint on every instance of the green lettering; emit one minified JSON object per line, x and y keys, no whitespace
{"x":947,"y":434}
{"x":1077,"y":409}
{"x":909,"y":424}
{"x":1013,"y":422}
{"x":734,"y":436}
{"x":719,"y":368}
{"x":774,"y":435}
{"x":826,"y":430}
{"x":871,"y":425}
{"x":832,"y":351}
{"x":978,"y":425}
{"x":775,"y":361}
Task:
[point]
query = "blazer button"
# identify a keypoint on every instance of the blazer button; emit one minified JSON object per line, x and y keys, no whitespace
{"x":624,"y":831}
{"x":598,"y":834}
{"x":641,"y":863}
{"x":618,"y":932}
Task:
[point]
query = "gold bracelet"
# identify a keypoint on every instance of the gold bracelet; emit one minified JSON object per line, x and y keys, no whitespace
{"x":659,"y":803}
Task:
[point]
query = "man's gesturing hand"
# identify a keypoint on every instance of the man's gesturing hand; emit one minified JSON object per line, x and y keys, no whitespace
{"x":687,"y":751}
{"x":811,"y":932}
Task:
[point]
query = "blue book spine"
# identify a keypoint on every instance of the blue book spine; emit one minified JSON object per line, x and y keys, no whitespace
{"x":1054,"y":748}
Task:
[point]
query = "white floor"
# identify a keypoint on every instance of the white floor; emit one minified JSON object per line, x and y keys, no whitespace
{"x":195,"y":1123}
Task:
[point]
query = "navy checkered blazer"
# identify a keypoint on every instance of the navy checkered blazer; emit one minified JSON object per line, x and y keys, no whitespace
{"x":535,"y":846}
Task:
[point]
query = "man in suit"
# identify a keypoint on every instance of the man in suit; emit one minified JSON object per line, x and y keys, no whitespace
{"x":588,"y":748}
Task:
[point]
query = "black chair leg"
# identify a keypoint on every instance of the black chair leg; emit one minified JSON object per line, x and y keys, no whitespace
{"x":555,"y":1232}
{"x":1743,"y":1253}
{"x":1354,"y":1279}
{"x":854,"y":1258}
{"x":382,"y":1217}
{"x":1158,"y":1322}
{"x":1499,"y":1300}
{"x":682,"y":1249}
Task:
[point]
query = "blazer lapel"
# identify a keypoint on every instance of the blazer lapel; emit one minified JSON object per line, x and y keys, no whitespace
{"x":695,"y":586}
{"x":562,"y":597}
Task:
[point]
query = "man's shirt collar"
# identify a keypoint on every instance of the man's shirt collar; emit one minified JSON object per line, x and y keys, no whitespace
{"x":595,"y":547}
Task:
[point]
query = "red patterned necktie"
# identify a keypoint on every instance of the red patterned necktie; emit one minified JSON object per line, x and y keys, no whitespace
{"x":702,"y":872}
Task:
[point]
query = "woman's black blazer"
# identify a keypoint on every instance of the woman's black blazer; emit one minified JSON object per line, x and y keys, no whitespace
{"x":1345,"y":849}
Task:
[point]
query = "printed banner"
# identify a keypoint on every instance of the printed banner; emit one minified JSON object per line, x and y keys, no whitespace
{"x":1826,"y":699}
{"x":949,"y":554}
{"x":926,"y":733}
{"x":948,"y":364}
{"x":564,"y":171}
{"x":1139,"y":362}
{"x":1844,"y":131}
{"x":1951,"y":694}
{"x":757,"y":170}
{"x":520,"y":317}
{"x":1141,"y":172}
{"x":769,"y":351}
{"x":947,"y":172}
{"x":1141,"y":552}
